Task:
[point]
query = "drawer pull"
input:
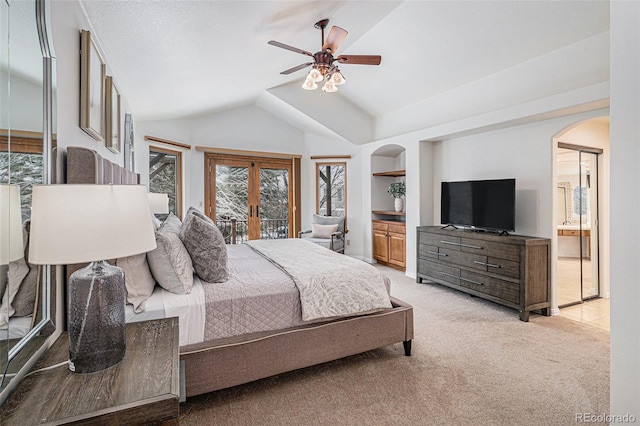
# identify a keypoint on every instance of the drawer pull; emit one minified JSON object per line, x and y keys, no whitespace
{"x":461,"y":245}
{"x":490,"y":265}
{"x":437,"y":254}
{"x":471,"y":281}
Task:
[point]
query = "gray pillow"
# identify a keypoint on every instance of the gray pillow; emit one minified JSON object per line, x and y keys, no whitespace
{"x":194,"y":211}
{"x":205,"y":244}
{"x":172,"y":223}
{"x":170,"y":263}
{"x":137,"y":279}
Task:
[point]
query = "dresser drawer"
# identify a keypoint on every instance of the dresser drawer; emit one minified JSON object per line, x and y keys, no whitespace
{"x":463,"y":259}
{"x":501,"y":289}
{"x":440,"y":240}
{"x":439,"y":271}
{"x":426,"y":251}
{"x":491,"y":249}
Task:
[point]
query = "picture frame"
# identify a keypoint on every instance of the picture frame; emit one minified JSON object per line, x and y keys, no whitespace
{"x":129,"y":149}
{"x":92,"y":77}
{"x":113,"y":137}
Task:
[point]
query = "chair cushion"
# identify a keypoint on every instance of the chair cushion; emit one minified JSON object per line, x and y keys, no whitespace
{"x":322,"y":231}
{"x":329,"y":220}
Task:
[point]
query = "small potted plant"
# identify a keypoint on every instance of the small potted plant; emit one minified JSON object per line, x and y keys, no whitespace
{"x":397,"y":191}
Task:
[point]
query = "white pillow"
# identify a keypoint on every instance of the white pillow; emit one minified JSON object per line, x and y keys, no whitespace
{"x":137,"y":279}
{"x":322,"y":231}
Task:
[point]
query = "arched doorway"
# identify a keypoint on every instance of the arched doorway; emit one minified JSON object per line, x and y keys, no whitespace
{"x":581,"y":218}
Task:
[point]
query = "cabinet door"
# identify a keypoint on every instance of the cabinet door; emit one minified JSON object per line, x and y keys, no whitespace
{"x":380,"y":246}
{"x":396,"y":249}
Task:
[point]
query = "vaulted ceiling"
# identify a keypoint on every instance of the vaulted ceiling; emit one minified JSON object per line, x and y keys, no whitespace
{"x":189,"y":58}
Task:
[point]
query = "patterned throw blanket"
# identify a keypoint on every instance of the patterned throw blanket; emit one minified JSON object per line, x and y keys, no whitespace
{"x":330,"y":284}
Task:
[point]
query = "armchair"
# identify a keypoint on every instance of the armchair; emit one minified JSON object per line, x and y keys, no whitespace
{"x":327,"y":231}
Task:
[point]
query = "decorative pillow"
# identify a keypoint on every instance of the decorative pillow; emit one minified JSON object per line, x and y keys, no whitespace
{"x":322,"y":231}
{"x":156,"y":222}
{"x":18,"y":270}
{"x":172,"y":223}
{"x":194,"y":211}
{"x":207,"y":248}
{"x":170,"y":263}
{"x":329,"y":220}
{"x":137,"y":279}
{"x":25,"y":299}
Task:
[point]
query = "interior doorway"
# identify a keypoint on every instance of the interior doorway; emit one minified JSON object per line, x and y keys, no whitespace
{"x":578,"y":274}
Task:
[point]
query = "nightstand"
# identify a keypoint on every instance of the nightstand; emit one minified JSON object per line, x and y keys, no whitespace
{"x":142,"y":389}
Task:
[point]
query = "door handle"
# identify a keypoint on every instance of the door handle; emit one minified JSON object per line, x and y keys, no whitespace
{"x":257,"y":211}
{"x":250,"y":211}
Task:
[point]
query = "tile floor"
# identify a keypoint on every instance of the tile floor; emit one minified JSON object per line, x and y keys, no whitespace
{"x":594,"y":312}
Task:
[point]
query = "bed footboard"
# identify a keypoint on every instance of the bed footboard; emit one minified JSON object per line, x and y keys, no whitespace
{"x":221,"y":364}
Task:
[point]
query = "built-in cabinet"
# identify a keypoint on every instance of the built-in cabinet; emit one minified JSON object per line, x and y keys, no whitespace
{"x":389,"y":243}
{"x":389,"y":230}
{"x":511,"y":270}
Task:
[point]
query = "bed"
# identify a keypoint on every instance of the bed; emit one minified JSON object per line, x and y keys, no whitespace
{"x":220,"y":353}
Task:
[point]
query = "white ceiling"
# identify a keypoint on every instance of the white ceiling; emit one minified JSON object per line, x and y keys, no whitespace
{"x":182,"y":58}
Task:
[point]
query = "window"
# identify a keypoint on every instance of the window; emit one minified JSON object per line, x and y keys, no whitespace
{"x":331,"y":189}
{"x":165,"y":177}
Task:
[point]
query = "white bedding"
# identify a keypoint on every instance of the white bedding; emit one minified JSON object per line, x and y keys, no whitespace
{"x":189,"y":308}
{"x":18,"y":327}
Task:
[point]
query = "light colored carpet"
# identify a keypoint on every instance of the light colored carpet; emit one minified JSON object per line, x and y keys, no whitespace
{"x":473,"y":363}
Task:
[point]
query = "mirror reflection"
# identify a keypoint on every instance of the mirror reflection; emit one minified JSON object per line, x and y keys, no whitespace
{"x":23,"y":309}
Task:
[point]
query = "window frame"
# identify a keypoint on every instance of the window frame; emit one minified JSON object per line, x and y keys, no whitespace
{"x":319,"y":165}
{"x":179,"y":183}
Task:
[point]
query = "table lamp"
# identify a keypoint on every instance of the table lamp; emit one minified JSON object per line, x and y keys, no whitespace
{"x":92,"y":223}
{"x":11,"y":244}
{"x":159,"y":203}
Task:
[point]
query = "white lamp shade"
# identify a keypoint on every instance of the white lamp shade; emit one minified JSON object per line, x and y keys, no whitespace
{"x":309,"y":85}
{"x":315,"y":76}
{"x":159,"y":203}
{"x":85,"y":223}
{"x":11,"y":244}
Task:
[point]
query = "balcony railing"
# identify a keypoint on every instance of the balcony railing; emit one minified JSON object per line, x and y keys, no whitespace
{"x":237,"y":231}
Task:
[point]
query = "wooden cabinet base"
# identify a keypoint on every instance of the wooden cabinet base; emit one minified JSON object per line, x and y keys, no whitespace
{"x":389,"y":243}
{"x":512,"y":270}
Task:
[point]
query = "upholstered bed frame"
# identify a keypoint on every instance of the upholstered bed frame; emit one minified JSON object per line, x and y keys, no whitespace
{"x":223,"y":363}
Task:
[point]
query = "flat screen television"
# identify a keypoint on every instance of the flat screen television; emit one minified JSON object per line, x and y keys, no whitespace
{"x":481,"y":204}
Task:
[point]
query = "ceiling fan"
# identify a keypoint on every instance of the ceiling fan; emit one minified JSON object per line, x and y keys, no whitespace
{"x":324,"y":64}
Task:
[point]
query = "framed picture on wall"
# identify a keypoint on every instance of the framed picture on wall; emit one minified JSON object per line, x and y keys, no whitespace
{"x":129,"y":159}
{"x":112,"y":138}
{"x":92,"y":77}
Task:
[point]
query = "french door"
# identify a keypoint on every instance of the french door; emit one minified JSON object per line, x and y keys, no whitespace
{"x":249,"y":198}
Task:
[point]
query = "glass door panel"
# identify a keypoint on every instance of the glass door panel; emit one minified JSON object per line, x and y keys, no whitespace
{"x":232,"y":202}
{"x":589,"y":225}
{"x":273,"y":210}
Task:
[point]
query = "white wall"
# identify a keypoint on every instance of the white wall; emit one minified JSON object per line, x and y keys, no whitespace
{"x":625,"y":205}
{"x":68,"y":19}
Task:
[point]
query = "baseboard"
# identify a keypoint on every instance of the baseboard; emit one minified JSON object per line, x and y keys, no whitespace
{"x":555,"y":311}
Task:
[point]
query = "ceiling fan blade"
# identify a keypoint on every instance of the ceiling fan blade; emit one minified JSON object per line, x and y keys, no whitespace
{"x":360,"y":59}
{"x":334,"y":39}
{"x":291,"y":48}
{"x":298,"y":68}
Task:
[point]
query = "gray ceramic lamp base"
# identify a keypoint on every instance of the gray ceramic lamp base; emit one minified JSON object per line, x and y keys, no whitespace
{"x":96,"y":317}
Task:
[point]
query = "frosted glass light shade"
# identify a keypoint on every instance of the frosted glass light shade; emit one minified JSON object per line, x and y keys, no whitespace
{"x":159,"y":203}
{"x":11,"y":247}
{"x":337,"y":78}
{"x":329,"y":87}
{"x":309,"y":85}
{"x":84,"y":223}
{"x":315,"y":76}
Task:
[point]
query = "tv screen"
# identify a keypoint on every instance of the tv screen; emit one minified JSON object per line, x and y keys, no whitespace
{"x":484,"y":204}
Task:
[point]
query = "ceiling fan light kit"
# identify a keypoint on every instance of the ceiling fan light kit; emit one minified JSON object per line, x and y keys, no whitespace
{"x":323,"y":61}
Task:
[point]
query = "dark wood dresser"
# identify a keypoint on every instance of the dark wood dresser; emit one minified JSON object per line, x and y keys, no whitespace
{"x":142,"y":389}
{"x":512,"y":270}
